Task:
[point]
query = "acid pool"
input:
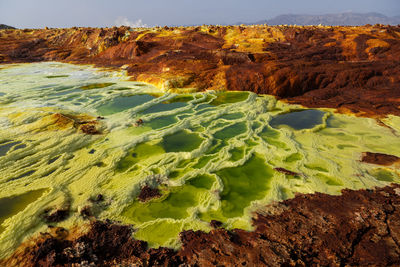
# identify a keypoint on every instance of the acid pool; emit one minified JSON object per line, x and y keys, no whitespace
{"x":213,"y":155}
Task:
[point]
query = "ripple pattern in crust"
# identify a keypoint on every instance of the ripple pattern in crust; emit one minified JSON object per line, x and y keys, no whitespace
{"x":359,"y":228}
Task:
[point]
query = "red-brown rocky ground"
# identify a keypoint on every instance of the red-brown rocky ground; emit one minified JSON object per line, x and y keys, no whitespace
{"x":379,"y":158}
{"x":358,"y":228}
{"x":354,"y":69}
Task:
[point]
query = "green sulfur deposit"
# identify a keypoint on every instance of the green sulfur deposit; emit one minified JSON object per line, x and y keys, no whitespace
{"x":298,"y":120}
{"x":242,"y":185}
{"x":212,"y":155}
{"x":12,"y":205}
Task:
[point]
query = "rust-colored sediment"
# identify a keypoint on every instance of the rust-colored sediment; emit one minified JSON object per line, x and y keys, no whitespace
{"x":286,"y":172}
{"x":353,"y":69}
{"x":359,"y":228}
{"x":84,"y":123}
{"x":379,"y":158}
{"x":147,"y":193}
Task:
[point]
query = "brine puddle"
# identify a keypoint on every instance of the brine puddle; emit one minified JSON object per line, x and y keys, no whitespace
{"x":212,"y":155}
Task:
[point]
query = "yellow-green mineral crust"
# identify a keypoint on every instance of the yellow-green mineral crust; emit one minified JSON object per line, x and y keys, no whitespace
{"x":213,"y":155}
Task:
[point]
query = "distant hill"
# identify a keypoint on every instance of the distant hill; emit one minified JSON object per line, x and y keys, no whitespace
{"x":349,"y":18}
{"x":3,"y":26}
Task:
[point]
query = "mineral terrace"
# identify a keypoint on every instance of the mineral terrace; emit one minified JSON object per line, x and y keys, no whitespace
{"x":355,"y":70}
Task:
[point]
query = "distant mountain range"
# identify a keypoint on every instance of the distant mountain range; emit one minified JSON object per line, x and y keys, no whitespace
{"x":349,"y":18}
{"x":3,"y":26}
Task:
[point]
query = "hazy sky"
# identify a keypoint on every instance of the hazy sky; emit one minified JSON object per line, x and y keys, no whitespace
{"x":100,"y":13}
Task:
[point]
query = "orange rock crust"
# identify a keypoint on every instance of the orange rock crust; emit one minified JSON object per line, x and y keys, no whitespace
{"x":353,"y":69}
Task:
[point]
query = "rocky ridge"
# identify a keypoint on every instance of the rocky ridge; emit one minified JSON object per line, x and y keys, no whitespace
{"x":353,"y":69}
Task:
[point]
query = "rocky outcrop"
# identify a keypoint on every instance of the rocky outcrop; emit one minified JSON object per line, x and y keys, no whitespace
{"x":358,"y":228}
{"x":147,"y":193}
{"x":353,"y":69}
{"x":84,"y":123}
{"x":379,"y":158}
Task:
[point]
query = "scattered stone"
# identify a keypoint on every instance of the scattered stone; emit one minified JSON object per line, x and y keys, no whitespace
{"x":56,"y":216}
{"x":139,"y":122}
{"x":379,"y":158}
{"x":89,"y":129}
{"x":96,"y":199}
{"x":85,"y":211}
{"x":147,"y":193}
{"x":61,"y":232}
{"x":287,"y":172}
{"x":99,"y":198}
{"x":100,"y":164}
{"x":215,"y":224}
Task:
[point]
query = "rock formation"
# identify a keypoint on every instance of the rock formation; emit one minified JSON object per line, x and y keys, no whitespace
{"x":354,"y":69}
{"x":358,"y":228}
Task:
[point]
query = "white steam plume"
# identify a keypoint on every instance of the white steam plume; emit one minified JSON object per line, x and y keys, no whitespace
{"x":123,"y":21}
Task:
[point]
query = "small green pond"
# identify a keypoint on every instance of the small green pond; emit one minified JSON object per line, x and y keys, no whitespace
{"x":299,"y":120}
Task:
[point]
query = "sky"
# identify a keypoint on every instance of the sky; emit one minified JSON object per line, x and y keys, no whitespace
{"x":107,"y":13}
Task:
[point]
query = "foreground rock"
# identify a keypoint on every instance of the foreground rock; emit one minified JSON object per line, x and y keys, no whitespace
{"x":359,"y":228}
{"x":84,"y":123}
{"x":147,"y":193}
{"x":354,"y":69}
{"x":379,"y":158}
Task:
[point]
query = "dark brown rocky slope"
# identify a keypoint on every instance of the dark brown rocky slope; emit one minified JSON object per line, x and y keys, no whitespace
{"x":354,"y":69}
{"x":358,"y":228}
